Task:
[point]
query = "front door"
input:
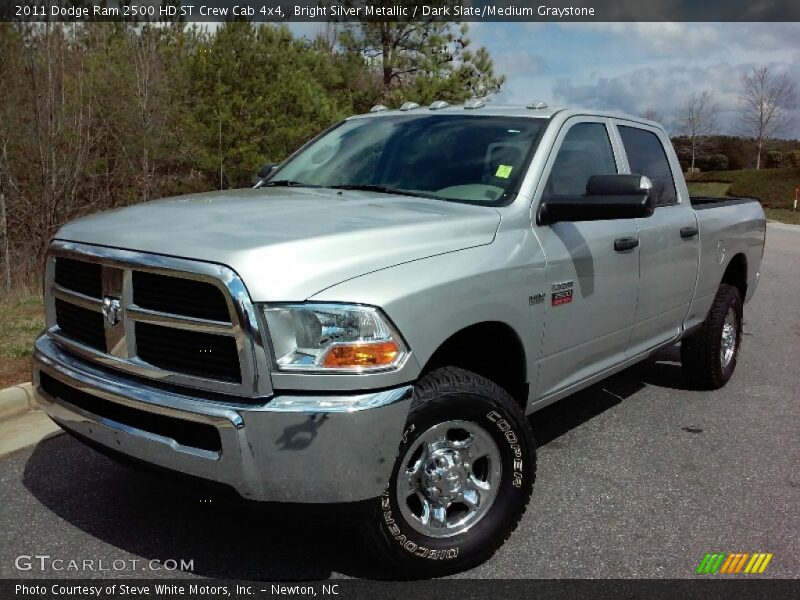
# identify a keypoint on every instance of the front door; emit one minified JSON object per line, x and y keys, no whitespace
{"x":591,"y":305}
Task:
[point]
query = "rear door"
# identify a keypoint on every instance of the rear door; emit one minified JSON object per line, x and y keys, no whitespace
{"x":668,"y":240}
{"x":591,"y":304}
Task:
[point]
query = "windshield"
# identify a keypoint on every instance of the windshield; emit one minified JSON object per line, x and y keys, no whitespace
{"x":476,"y":159}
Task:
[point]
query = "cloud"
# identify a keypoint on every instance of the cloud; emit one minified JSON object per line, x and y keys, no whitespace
{"x":663,"y":37}
{"x":518,"y":63}
{"x":664,"y":90}
{"x":769,"y":36}
{"x":634,"y":67}
{"x":695,"y":40}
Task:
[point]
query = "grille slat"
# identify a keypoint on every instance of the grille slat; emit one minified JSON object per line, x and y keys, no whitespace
{"x":180,"y":296}
{"x":189,"y":352}
{"x":187,"y":433}
{"x":79,"y":276}
{"x":81,"y":324}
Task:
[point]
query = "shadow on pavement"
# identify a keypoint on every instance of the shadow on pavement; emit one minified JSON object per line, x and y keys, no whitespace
{"x":152,"y":518}
{"x":662,"y":370}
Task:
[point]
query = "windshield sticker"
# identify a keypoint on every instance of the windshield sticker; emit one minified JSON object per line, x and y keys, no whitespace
{"x":503,"y":171}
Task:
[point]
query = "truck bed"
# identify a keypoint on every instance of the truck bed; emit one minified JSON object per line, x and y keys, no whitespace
{"x":735,"y":226}
{"x":701,"y":202}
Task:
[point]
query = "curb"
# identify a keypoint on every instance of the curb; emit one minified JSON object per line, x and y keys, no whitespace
{"x":22,"y":424}
{"x":784,"y":226}
{"x":16,"y":400}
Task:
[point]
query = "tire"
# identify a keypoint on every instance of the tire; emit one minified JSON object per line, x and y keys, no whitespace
{"x":703,"y":353}
{"x":453,"y":409}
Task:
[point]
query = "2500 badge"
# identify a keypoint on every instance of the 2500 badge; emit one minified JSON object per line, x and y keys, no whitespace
{"x":562,"y":293}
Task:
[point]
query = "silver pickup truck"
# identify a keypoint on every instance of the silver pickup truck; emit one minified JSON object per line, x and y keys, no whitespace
{"x":376,"y":321}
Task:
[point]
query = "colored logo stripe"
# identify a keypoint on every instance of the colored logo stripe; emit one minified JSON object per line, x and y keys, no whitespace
{"x":758,"y":563}
{"x":711,"y":563}
{"x":732,"y":563}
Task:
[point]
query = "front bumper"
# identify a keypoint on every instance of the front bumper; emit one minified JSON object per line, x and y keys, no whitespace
{"x":317,"y":448}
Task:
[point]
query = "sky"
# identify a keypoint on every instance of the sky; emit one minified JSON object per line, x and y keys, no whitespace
{"x":634,"y":67}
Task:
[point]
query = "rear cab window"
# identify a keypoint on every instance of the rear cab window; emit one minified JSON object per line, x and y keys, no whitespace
{"x":646,"y":156}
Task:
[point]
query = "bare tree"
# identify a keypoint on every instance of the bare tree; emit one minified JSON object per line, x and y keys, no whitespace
{"x":325,"y":37}
{"x":4,"y":244}
{"x":765,"y":102}
{"x":697,"y":122}
{"x":152,"y":109}
{"x":56,"y":133}
{"x":652,"y":115}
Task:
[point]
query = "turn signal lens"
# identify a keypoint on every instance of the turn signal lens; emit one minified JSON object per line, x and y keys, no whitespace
{"x":362,"y":355}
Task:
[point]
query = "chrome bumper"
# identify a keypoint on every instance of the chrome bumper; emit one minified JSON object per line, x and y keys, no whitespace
{"x":290,"y":448}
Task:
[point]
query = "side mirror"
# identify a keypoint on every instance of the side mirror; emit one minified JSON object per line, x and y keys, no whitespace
{"x":268,"y":168}
{"x":607,"y":197}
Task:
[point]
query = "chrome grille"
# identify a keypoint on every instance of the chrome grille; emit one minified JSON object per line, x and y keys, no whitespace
{"x":178,"y":321}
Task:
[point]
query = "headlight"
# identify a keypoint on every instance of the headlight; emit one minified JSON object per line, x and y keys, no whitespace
{"x":333,"y":338}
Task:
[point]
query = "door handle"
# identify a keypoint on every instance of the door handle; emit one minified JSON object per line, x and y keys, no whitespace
{"x":625,"y":243}
{"x":688,"y":232}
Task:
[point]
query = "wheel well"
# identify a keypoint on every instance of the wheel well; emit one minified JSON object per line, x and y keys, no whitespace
{"x":736,"y":274}
{"x":504,"y":364}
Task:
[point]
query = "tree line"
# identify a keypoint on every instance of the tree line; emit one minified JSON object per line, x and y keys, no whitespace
{"x":101,"y":115}
{"x":765,"y":103}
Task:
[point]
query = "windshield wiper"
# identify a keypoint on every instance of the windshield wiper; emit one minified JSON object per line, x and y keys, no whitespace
{"x":371,"y":187}
{"x":287,"y":183}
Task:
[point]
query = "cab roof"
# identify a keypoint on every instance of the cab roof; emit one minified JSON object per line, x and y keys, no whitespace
{"x":498,"y":110}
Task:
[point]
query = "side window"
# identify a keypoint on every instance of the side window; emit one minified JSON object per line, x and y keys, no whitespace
{"x":646,"y":156}
{"x":585,"y":151}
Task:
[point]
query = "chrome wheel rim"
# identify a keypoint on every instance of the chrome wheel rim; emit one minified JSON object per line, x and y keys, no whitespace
{"x":727,"y":346}
{"x":448,"y":479}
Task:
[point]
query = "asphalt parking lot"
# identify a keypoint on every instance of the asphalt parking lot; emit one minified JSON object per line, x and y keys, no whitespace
{"x":638,"y":477}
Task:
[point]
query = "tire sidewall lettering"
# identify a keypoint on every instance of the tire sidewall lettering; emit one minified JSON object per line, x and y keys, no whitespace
{"x":403,"y":540}
{"x":510,"y":436}
{"x":513,"y":469}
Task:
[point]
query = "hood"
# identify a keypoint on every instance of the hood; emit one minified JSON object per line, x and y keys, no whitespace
{"x":289,"y":243}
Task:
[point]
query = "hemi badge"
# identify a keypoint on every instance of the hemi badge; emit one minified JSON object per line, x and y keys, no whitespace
{"x":536,"y":298}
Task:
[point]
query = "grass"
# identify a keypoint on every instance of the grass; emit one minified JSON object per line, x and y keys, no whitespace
{"x":21,"y":320}
{"x":774,"y":188}
{"x":708,"y":188}
{"x":784,"y":215}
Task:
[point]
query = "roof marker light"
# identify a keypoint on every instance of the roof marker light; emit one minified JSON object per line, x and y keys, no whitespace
{"x":437,"y":104}
{"x":409,"y":106}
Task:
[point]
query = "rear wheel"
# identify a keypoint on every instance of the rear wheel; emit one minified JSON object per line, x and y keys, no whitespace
{"x":709,"y":355}
{"x":461,"y":481}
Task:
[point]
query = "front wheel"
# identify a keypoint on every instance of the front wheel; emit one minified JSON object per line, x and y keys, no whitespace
{"x":462,"y":478}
